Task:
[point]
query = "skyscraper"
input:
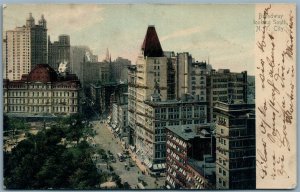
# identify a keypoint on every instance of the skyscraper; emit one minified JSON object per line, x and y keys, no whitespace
{"x":59,"y":51}
{"x":225,"y":86}
{"x":78,"y":56}
{"x":25,"y":47}
{"x":159,"y":96}
{"x":235,"y":144}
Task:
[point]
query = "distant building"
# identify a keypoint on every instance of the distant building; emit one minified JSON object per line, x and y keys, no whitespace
{"x":25,"y":47}
{"x":189,"y":162}
{"x":59,"y":51}
{"x":119,"y":69}
{"x":103,"y":95}
{"x":119,"y":118}
{"x":235,"y":144}
{"x":41,"y":92}
{"x":198,"y":80}
{"x":78,"y":56}
{"x":95,"y":72}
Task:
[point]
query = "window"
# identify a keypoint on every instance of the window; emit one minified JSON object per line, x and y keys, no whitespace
{"x":220,"y":170}
{"x":157,"y":155}
{"x":224,"y":184}
{"x":224,"y":172}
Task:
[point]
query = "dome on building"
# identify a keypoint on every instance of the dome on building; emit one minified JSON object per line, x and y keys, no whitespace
{"x":42,"y":73}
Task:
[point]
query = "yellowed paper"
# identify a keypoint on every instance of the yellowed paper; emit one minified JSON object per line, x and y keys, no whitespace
{"x":275,"y":57}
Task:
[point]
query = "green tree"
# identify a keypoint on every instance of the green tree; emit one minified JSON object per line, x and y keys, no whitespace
{"x":41,"y":162}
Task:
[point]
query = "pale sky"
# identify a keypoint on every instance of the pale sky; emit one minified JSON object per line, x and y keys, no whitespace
{"x":224,"y":33}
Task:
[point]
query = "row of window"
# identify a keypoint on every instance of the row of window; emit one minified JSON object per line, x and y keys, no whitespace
{"x":160,"y":154}
{"x":222,"y":141}
{"x":41,"y":101}
{"x":183,"y":109}
{"x":194,"y":82}
{"x":222,"y":161}
{"x":38,"y":109}
{"x":222,"y":182}
{"x":222,"y":171}
{"x":242,"y":153}
{"x":184,"y":122}
{"x":160,"y":138}
{"x":41,"y":94}
{"x":194,"y":78}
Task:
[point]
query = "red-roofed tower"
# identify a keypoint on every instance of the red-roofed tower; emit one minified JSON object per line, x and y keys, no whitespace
{"x":151,"y":46}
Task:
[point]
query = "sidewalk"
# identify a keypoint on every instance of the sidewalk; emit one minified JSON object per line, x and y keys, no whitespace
{"x":138,"y":162}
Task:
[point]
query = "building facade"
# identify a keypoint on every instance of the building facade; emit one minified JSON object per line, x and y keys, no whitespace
{"x":25,"y":47}
{"x":223,"y":85}
{"x":59,"y":52}
{"x":103,"y":96}
{"x":161,"y":92}
{"x":119,"y":69}
{"x":41,"y":92}
{"x":189,"y":162}
{"x":168,"y":89}
{"x":78,"y":56}
{"x":119,"y":120}
{"x":235,"y":144}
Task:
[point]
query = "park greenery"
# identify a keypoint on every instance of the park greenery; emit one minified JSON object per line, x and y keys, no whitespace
{"x":55,"y":158}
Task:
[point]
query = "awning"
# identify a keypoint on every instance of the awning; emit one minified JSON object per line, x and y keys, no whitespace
{"x":140,"y":186}
{"x":159,"y":166}
{"x":168,"y":186}
{"x":132,"y":148}
{"x":148,"y":163}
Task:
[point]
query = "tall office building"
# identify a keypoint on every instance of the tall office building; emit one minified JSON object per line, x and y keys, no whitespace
{"x":59,"y":51}
{"x":119,"y":69}
{"x":168,"y":89}
{"x":78,"y":56}
{"x":223,"y":85}
{"x":25,"y":47}
{"x":159,"y":96}
{"x":235,"y":144}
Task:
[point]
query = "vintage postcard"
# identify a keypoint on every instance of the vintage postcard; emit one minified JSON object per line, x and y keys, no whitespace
{"x":149,"y":96}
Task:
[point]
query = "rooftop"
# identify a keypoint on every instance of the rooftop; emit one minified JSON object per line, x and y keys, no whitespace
{"x":42,"y":73}
{"x":234,"y":106}
{"x":172,"y":102}
{"x":184,"y":131}
{"x":206,"y":168}
{"x":151,"y":45}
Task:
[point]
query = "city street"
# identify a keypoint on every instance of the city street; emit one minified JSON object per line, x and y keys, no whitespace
{"x":106,"y":140}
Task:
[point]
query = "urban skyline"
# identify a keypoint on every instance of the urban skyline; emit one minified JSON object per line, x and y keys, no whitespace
{"x":224,"y":40}
{"x":86,"y":103}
